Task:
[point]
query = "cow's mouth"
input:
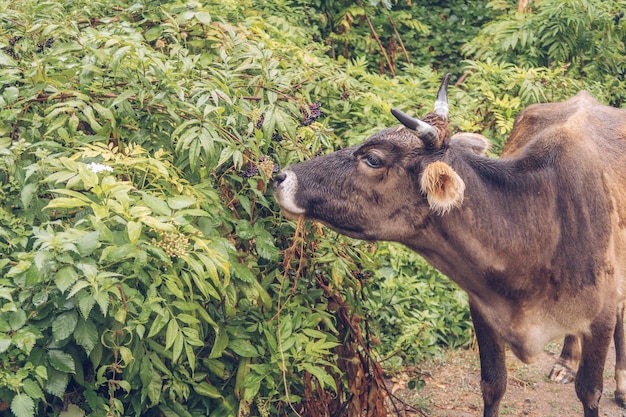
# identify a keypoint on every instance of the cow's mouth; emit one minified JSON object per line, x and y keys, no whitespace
{"x":289,"y":215}
{"x":353,"y":232}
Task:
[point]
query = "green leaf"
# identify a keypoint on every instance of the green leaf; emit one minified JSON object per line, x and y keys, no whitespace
{"x":11,"y":94}
{"x":86,"y":335}
{"x":125,"y":385}
{"x":158,"y":323}
{"x":221,"y":342}
{"x":6,"y":61}
{"x":88,"y":243}
{"x":23,"y":406}
{"x":153,"y":33}
{"x":72,"y":411}
{"x":325,"y":379}
{"x":61,"y":361}
{"x":244,"y":230}
{"x":155,"y":204}
{"x":5,"y":342}
{"x":177,"y":348}
{"x":56,"y":383}
{"x":27,"y":194}
{"x":134,"y":231}
{"x":17,"y":319}
{"x":172,"y":333}
{"x":66,"y":202}
{"x":65,"y":277}
{"x":25,"y":339}
{"x":207,"y":390}
{"x":102,"y":298}
{"x":151,"y":381}
{"x":85,"y":304}
{"x":243,"y":348}
{"x":180,"y":202}
{"x":63,"y":325}
{"x":203,"y":17}
{"x":286,"y":327}
{"x":187,"y":319}
{"x":265,"y":243}
{"x":32,"y":388}
{"x":242,"y":272}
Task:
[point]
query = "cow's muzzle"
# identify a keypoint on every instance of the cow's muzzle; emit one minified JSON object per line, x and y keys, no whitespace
{"x":285,"y":189}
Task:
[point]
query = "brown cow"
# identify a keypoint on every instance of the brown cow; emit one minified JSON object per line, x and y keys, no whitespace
{"x":536,"y":237}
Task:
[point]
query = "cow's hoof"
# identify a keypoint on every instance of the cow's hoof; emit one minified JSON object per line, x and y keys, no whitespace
{"x":562,"y":373}
{"x":620,"y":399}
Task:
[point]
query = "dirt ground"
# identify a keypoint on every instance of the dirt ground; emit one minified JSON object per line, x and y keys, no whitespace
{"x":451,"y":388}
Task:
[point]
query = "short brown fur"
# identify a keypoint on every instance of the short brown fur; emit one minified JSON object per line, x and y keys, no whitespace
{"x":538,"y":242}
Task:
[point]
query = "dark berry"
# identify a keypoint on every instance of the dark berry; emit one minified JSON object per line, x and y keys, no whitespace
{"x":314,"y":112}
{"x":259,"y":123}
{"x":11,"y":52}
{"x":14,"y":40}
{"x":251,"y":171}
{"x":47,"y":44}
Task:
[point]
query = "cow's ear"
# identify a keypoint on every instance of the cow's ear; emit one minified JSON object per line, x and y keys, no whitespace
{"x":474,"y":142}
{"x":443,"y":187}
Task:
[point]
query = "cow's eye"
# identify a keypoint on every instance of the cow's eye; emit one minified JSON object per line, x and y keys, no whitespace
{"x":373,"y":161}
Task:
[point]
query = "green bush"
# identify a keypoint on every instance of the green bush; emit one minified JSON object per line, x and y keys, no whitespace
{"x":391,"y":34}
{"x":584,"y":37}
{"x":145,"y":268}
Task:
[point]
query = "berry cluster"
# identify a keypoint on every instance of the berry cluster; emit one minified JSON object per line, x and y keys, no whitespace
{"x":14,"y":40}
{"x":251,"y":171}
{"x":174,"y":244}
{"x":617,"y":17}
{"x":314,"y":112}
{"x":265,"y":164}
{"x":259,"y":122}
{"x":47,"y":44}
{"x":10,"y":50}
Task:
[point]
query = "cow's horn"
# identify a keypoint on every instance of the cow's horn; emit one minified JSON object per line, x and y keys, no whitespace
{"x":441,"y":104}
{"x":422,"y":130}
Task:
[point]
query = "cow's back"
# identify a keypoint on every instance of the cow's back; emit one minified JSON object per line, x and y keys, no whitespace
{"x":579,"y":121}
{"x":583,"y":144}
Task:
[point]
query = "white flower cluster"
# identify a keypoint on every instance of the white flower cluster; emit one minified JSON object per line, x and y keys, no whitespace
{"x":97,"y":168}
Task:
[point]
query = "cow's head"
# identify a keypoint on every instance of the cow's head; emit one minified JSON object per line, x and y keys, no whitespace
{"x":386,"y":187}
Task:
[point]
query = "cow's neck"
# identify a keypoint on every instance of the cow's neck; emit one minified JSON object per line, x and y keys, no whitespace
{"x":501,"y":218}
{"x":503,"y":234}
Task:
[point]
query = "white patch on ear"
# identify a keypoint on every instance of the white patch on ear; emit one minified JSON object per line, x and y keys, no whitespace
{"x":443,"y":187}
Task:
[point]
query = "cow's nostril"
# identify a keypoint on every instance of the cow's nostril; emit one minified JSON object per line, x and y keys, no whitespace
{"x":280,"y":177}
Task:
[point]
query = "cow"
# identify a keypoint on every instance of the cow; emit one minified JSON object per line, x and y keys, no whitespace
{"x":536,"y":237}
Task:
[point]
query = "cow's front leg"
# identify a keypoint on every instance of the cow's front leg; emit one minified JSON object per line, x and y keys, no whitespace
{"x":595,"y":346}
{"x":564,"y":370}
{"x":620,"y":358}
{"x":492,"y":364}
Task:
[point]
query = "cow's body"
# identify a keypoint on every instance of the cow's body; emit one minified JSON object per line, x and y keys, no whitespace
{"x":537,"y":237}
